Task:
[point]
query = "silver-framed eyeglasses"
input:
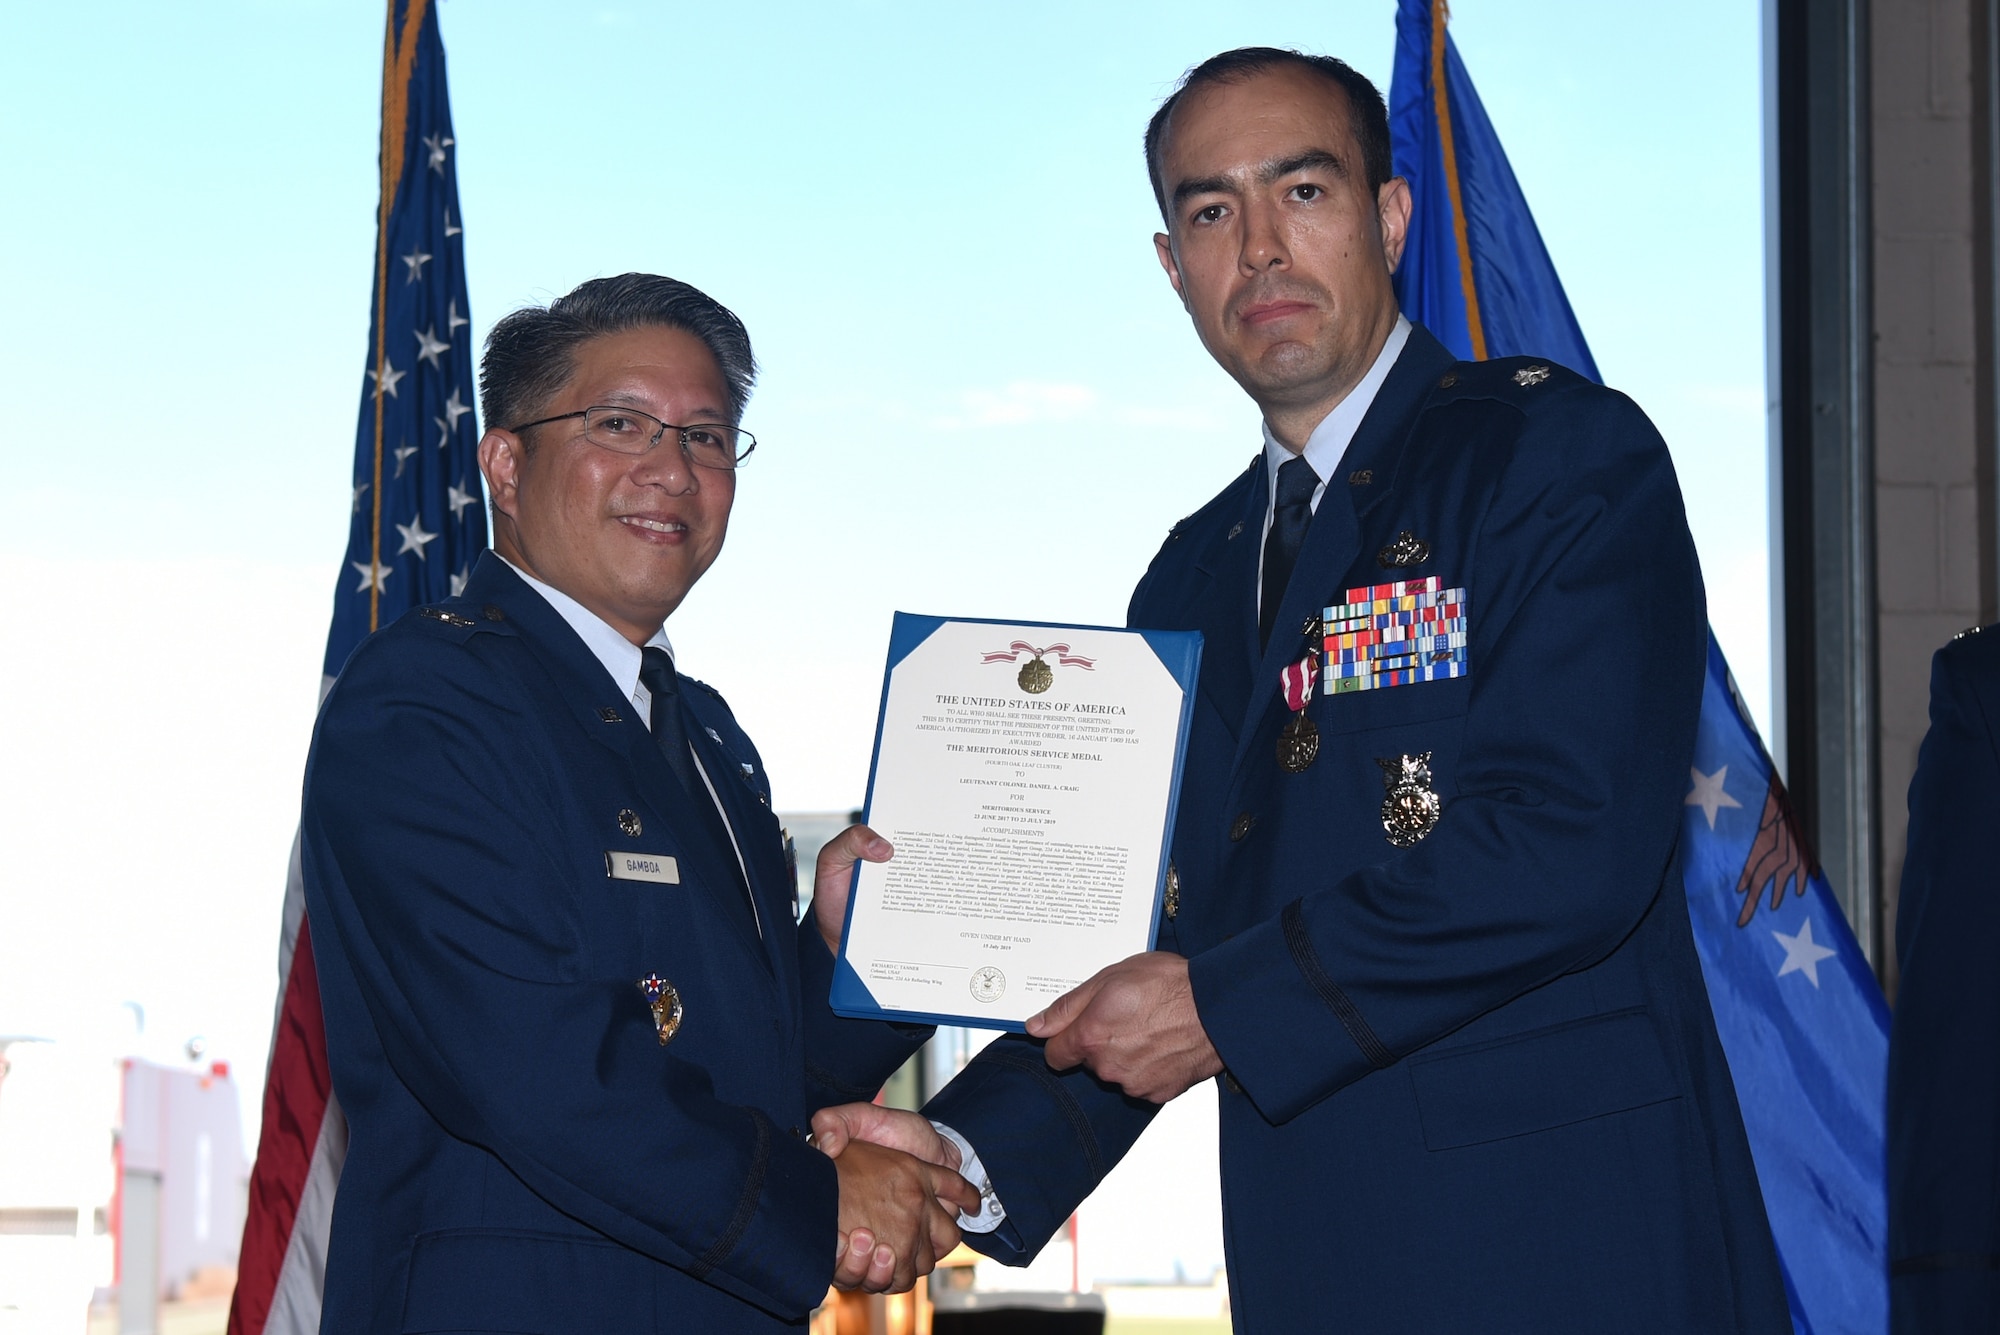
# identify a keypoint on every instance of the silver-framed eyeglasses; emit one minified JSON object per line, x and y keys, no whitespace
{"x":629,"y":431}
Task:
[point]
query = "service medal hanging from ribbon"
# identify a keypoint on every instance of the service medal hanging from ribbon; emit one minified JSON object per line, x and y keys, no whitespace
{"x":1298,"y":742}
{"x":1037,"y":676}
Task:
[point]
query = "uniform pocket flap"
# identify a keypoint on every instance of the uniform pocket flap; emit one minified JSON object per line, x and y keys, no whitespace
{"x":1415,"y":702}
{"x":1539,"y":1080}
{"x":499,"y":1280}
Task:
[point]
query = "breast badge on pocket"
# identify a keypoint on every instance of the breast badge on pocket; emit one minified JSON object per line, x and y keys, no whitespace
{"x":1383,"y":635}
{"x":1411,"y":809}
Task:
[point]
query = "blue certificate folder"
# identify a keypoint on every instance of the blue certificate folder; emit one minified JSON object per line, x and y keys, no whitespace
{"x":1178,"y":651}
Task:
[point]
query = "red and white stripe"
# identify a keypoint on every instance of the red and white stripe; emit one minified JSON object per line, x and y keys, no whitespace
{"x":281,"y":1271}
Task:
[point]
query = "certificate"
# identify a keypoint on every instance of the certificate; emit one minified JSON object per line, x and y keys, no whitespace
{"x":1027,"y":776}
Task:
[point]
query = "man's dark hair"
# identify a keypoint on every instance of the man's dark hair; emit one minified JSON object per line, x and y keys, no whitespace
{"x":531,"y":354}
{"x":1365,"y":108}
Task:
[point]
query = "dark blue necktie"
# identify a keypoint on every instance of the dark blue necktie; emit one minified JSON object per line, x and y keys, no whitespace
{"x":669,"y":728}
{"x":1289,"y":520}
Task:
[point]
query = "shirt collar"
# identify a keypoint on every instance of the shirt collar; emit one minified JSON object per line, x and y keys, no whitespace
{"x":1330,"y":439}
{"x":620,"y":657}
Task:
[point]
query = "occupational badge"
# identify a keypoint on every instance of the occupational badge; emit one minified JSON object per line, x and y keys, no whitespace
{"x":1531,"y":375}
{"x":1173,"y":897}
{"x":1298,"y":740}
{"x":628,"y":821}
{"x":1411,"y":809}
{"x":665,"y":1001}
{"x":1407,"y":550}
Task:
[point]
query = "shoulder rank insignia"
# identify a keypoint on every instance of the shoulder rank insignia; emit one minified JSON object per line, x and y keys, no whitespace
{"x":1411,"y":809}
{"x":1407,"y":550}
{"x":449,"y":618}
{"x":665,"y":1002}
{"x":1531,"y":375}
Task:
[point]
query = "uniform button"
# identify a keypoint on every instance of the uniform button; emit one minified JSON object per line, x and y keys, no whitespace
{"x":1447,"y":381}
{"x":1230,"y":1081}
{"x":1241,"y":828}
{"x":493,"y":613}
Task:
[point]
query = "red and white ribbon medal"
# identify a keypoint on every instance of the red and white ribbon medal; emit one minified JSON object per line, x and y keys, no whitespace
{"x":1298,"y":742}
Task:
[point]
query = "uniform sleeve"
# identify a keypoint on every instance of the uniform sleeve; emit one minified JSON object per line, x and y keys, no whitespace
{"x":846,"y":1060}
{"x":448,"y":900}
{"x":1944,"y":1087}
{"x":1046,"y":1138}
{"x":1586,"y":651}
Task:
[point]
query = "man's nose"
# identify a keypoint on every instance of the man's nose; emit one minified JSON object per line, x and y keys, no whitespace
{"x":667,"y":466}
{"x":1264,"y":242}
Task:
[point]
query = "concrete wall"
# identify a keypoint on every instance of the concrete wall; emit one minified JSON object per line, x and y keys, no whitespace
{"x":1933,"y":445}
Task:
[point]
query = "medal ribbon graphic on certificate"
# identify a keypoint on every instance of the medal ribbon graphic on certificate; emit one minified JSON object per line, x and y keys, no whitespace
{"x":1037,"y":676}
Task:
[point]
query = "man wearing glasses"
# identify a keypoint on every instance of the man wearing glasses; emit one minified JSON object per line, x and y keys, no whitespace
{"x":575,"y":1030}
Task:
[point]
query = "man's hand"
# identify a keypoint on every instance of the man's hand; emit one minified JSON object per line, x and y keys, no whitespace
{"x":833,"y":876}
{"x":891,"y":1128}
{"x":865,"y":1264}
{"x":898,"y":1214}
{"x":1134,"y":1026}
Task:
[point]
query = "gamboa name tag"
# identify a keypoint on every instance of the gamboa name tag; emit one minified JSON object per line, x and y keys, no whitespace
{"x":655,"y":867}
{"x":1383,"y":635}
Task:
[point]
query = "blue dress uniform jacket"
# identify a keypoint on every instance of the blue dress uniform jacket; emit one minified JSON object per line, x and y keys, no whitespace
{"x":1472,"y":1084}
{"x":525,"y":1155}
{"x":1944,"y":1046}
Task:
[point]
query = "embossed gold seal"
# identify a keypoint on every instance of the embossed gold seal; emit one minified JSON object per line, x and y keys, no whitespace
{"x":1411,"y":809}
{"x":1036,"y":676}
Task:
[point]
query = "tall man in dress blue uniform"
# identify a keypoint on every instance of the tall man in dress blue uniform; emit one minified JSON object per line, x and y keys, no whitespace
{"x":1944,"y":1081}
{"x":1425,"y":917}
{"x":575,"y":1029}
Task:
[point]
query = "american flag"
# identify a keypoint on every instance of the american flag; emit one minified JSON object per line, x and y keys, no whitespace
{"x":419,"y":522}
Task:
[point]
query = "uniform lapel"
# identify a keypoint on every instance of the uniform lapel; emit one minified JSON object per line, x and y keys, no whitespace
{"x":1364,"y":476}
{"x":1225,"y":612}
{"x":763,"y":867}
{"x":608,"y":718}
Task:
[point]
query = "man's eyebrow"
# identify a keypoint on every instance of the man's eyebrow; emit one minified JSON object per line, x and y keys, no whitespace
{"x":1298,"y":162}
{"x":1203,"y":185}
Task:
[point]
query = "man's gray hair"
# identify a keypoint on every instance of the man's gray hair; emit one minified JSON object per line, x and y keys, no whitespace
{"x":531,"y":354}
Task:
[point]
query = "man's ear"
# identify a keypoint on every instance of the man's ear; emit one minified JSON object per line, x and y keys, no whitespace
{"x":1164,"y":246}
{"x":1392,"y":209}
{"x":501,"y":454}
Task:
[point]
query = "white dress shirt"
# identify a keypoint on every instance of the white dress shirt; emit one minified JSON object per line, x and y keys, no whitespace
{"x":1329,"y":440}
{"x":623,"y":659}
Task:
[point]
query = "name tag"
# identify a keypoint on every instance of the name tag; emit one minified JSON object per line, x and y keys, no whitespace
{"x":654,"y":867}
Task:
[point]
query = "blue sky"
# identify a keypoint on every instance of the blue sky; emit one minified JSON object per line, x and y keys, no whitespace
{"x":979,"y":395}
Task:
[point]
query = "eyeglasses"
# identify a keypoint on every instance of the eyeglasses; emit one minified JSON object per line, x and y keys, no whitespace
{"x":629,"y":431}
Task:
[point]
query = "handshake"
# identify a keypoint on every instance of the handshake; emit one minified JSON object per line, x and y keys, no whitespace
{"x":900,"y":1194}
{"x":1132,"y":1025}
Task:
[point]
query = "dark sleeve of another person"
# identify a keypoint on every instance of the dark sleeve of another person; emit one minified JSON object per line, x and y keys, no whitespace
{"x":1944,"y":1056}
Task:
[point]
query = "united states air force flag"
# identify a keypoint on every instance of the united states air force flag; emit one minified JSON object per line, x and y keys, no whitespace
{"x":417,"y":525}
{"x":1799,"y":1012}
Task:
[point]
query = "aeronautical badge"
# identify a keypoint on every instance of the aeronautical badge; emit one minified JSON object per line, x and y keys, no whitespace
{"x":1410,"y":811}
{"x":666,"y":1004}
{"x":1407,"y":550}
{"x":1173,"y":897}
{"x":1531,"y":375}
